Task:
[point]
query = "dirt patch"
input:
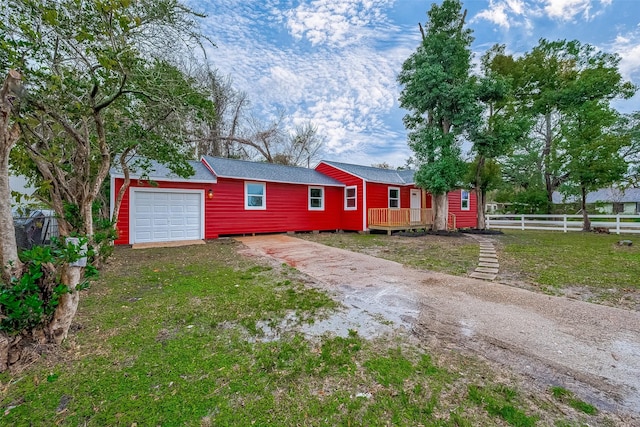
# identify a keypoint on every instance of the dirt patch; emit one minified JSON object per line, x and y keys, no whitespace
{"x":591,"y":349}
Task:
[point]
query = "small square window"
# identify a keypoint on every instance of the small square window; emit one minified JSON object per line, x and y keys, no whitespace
{"x":350,"y":194}
{"x":255,"y":195}
{"x":394,"y":198}
{"x":316,"y":198}
{"x":464,"y":200}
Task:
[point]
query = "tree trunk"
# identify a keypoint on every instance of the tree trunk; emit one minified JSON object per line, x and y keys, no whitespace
{"x":546,"y":161}
{"x":440,"y":204}
{"x":56,"y":331}
{"x":586,"y":222}
{"x":480,"y":193}
{"x":9,"y":134}
{"x":481,"y":196}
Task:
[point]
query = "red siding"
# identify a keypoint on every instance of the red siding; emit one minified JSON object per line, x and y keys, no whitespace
{"x":287,"y":209}
{"x":351,"y":219}
{"x":378,"y":195}
{"x":464,"y":218}
{"x":123,"y":217}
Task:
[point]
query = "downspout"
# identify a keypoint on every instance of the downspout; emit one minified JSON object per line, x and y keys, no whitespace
{"x":112,"y":196}
{"x":364,"y":205}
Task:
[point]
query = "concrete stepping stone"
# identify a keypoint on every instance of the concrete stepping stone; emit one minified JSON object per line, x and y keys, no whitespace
{"x":487,"y":270}
{"x":489,"y":264}
{"x":484,"y":276}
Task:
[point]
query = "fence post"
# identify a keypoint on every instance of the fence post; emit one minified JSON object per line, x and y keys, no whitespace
{"x":522,"y":222}
{"x":618,"y":224}
{"x":564,"y":222}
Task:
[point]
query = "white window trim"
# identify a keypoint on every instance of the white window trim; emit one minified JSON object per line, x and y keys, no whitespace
{"x":355,"y":197}
{"x":389,"y":197}
{"x":264,"y":196}
{"x":321,"y":207}
{"x":462,"y":199}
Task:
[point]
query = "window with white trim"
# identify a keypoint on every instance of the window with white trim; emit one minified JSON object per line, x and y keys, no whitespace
{"x":316,"y":198}
{"x":350,"y":200}
{"x":394,"y":197}
{"x":255,"y":195}
{"x":464,"y":200}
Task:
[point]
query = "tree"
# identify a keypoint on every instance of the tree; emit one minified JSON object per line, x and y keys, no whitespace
{"x":84,"y":65}
{"x":591,"y":153}
{"x":9,"y":134}
{"x":439,"y":94}
{"x":551,"y":80}
{"x":501,"y":127}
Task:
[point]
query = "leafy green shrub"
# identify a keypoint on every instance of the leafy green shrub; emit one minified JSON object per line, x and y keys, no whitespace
{"x":29,"y":301}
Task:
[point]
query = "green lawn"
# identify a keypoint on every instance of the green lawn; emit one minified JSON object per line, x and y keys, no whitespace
{"x":589,"y":266}
{"x":562,"y":262}
{"x":175,"y":337}
{"x":447,"y":254}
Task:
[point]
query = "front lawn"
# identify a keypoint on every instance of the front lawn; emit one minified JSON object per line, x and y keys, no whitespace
{"x":586,"y":266}
{"x":202,"y":336}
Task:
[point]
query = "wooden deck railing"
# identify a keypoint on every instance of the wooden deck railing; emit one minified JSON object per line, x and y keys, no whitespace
{"x":405,"y":217}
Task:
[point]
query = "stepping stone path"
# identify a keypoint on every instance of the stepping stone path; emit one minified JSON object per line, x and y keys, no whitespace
{"x":488,"y":266}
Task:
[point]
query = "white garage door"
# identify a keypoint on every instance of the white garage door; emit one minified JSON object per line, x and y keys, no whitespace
{"x":163,"y":216}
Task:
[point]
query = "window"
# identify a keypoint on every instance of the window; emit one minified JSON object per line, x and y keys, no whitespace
{"x":316,"y":198}
{"x":394,"y":197}
{"x":618,"y":207}
{"x":464,"y":200}
{"x":255,"y":195}
{"x":350,"y":199}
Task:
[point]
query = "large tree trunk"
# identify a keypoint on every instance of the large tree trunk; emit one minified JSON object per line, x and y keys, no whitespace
{"x":57,"y":330}
{"x":9,"y":134}
{"x":481,"y":196}
{"x":440,"y":204}
{"x":586,"y":222}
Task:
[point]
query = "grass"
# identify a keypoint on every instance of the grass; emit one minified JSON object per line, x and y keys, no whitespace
{"x":560,"y":261}
{"x":566,"y":396}
{"x":180,"y":336}
{"x":588,"y":266}
{"x":448,"y":254}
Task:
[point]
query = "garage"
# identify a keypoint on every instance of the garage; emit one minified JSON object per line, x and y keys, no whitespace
{"x":161,"y":215}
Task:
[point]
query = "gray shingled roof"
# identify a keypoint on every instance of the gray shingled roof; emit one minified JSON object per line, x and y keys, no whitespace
{"x":160,"y":172}
{"x":606,"y":195}
{"x":241,"y":169}
{"x":385,"y":176}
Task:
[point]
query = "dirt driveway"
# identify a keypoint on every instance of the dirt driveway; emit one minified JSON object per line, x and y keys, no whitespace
{"x":591,"y":349}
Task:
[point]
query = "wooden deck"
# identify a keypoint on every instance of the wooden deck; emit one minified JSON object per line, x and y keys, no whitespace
{"x":404,"y":219}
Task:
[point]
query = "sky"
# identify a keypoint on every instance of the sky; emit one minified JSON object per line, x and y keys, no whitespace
{"x":334,"y":63}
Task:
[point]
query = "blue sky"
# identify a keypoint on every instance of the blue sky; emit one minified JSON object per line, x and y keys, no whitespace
{"x":335,"y":62}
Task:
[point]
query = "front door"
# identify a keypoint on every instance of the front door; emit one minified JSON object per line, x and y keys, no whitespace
{"x":415,"y":205}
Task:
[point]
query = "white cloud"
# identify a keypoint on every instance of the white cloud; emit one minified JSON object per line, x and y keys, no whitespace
{"x":335,"y":22}
{"x":520,"y":13}
{"x":338,"y":79}
{"x":568,"y":10}
{"x":628,"y":47}
{"x":507,"y":13}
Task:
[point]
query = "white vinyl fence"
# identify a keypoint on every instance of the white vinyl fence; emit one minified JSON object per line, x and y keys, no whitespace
{"x":618,"y":224}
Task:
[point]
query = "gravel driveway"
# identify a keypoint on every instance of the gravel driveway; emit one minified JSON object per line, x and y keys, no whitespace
{"x":591,"y":349}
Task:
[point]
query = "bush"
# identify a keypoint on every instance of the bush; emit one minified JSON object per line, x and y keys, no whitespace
{"x":29,"y":301}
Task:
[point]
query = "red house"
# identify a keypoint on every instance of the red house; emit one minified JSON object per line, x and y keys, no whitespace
{"x":231,"y":197}
{"x":388,"y":199}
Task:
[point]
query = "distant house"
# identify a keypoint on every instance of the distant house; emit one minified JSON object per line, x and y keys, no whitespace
{"x":608,"y":201}
{"x":233,"y":197}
